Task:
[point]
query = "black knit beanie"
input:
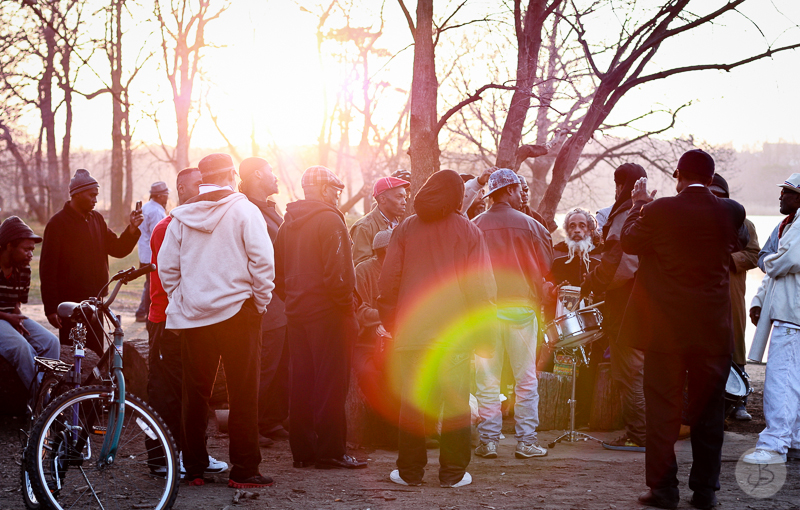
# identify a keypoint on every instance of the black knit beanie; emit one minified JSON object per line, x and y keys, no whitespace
{"x":13,"y":229}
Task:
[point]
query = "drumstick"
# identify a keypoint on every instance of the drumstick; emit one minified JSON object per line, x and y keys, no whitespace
{"x":593,"y":305}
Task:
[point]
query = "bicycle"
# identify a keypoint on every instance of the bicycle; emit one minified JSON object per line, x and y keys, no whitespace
{"x":97,"y":446}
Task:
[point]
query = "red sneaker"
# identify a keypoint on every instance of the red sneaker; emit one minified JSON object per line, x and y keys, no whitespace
{"x":252,"y":482}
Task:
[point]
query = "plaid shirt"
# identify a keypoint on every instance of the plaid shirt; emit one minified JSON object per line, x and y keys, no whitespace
{"x":14,"y":289}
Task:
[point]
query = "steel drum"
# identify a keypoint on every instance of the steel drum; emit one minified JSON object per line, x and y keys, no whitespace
{"x":574,"y":329}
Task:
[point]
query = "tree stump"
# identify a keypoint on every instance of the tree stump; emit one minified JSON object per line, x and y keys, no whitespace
{"x":135,"y":368}
{"x":13,"y":394}
{"x":607,"y":404}
{"x":365,"y":425}
{"x":554,"y":392}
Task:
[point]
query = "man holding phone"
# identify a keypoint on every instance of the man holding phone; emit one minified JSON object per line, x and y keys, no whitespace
{"x":152,"y":212}
{"x":77,"y":242}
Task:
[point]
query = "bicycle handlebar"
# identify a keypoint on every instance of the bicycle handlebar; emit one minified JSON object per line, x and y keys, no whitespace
{"x":125,"y":276}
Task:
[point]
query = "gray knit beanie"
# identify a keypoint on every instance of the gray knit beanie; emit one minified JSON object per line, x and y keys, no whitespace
{"x":81,"y":181}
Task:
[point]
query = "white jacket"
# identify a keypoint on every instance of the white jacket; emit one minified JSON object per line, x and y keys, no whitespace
{"x":216,"y":254}
{"x":779,"y":293}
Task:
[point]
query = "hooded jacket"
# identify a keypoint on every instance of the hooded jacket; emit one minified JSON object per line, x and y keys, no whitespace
{"x":216,"y":254}
{"x":437,"y":288}
{"x":314,"y":261}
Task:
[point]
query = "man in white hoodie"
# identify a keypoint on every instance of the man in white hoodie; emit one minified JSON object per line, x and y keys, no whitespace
{"x":217,"y":266}
{"x":777,"y":301}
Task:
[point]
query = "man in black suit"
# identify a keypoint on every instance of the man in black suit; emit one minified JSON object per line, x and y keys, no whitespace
{"x":679,"y":313}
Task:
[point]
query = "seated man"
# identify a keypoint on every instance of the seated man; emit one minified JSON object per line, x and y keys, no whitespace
{"x":369,"y":354}
{"x":20,"y":337}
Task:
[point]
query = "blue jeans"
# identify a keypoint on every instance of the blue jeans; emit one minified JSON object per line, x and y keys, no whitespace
{"x":520,"y":343}
{"x":20,"y":349}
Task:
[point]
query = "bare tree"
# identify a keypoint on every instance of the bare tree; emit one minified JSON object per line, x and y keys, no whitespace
{"x":40,"y":44}
{"x":627,"y":68}
{"x":182,"y":25}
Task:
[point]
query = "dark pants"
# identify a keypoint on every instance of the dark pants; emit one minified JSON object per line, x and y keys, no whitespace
{"x":448,"y":392}
{"x":627,"y":364}
{"x":238,"y":342}
{"x":144,"y":304}
{"x":273,"y":389}
{"x":664,"y":379}
{"x":320,"y":356}
{"x":164,"y":380}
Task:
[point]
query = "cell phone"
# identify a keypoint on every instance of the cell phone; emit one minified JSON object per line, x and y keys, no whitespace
{"x":139,"y":205}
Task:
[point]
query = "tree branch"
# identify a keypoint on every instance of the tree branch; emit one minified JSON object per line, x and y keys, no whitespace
{"x":409,"y":19}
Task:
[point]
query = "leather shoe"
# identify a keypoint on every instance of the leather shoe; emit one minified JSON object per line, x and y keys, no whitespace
{"x":703,"y":500}
{"x":659,"y":499}
{"x":344,"y":462}
{"x":300,"y":464}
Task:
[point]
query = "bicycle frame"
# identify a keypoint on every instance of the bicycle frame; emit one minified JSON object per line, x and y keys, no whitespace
{"x":116,"y":416}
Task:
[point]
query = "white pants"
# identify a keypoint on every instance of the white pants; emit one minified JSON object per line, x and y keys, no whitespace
{"x":520,"y":343}
{"x":782,"y":390}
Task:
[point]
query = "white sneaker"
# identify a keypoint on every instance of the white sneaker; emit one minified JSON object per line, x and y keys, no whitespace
{"x":465,"y":480}
{"x":527,"y":450}
{"x":487,"y":450}
{"x":764,"y":457}
{"x":395,"y":477}
{"x":214,"y":466}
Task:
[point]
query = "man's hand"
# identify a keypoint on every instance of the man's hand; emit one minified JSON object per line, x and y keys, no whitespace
{"x":755,"y":315}
{"x":484,"y":177}
{"x":640,"y":193}
{"x":136,"y":219}
{"x":15,"y":319}
{"x":382,"y":331}
{"x":54,"y":320}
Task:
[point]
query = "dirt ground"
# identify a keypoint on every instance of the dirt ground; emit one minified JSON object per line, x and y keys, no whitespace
{"x":572,"y":476}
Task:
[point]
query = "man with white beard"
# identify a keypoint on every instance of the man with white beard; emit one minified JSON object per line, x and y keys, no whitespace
{"x":582,"y":253}
{"x":575,"y":258}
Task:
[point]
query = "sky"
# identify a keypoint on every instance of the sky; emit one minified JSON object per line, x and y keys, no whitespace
{"x":266,"y":77}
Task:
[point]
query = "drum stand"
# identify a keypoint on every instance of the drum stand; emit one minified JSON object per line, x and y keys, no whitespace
{"x":572,"y":436}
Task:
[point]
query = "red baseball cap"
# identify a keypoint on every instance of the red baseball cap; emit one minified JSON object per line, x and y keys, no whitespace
{"x":387,"y":183}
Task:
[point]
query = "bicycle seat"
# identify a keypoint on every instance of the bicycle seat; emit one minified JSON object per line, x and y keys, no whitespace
{"x":66,"y":309}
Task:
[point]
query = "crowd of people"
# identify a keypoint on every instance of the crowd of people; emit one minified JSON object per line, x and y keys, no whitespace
{"x":419,"y":305}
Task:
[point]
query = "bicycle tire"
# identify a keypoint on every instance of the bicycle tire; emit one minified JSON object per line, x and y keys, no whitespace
{"x":63,"y":464}
{"x":49,"y":389}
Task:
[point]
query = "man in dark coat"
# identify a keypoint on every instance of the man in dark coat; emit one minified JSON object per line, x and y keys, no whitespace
{"x":258,"y":184}
{"x":74,"y":261}
{"x":679,"y":313}
{"x":436,"y":299}
{"x":613,"y":278}
{"x":316,"y":280}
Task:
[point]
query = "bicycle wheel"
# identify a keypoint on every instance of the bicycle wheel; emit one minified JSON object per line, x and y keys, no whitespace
{"x":64,"y":446}
{"x":49,"y":389}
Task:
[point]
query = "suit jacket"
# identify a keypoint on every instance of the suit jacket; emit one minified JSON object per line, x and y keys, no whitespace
{"x":680,"y":302}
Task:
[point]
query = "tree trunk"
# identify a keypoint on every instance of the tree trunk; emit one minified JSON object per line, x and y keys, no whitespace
{"x":529,"y":41}
{"x":424,"y":149}
{"x":66,"y":141}
{"x":57,"y":195}
{"x":117,"y":215}
{"x":127,"y":135}
{"x":570,"y":152}
{"x":38,"y":209}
